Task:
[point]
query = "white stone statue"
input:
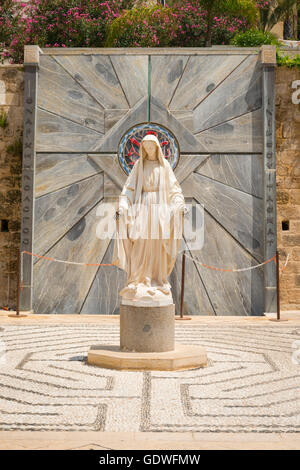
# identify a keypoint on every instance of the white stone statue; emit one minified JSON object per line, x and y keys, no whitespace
{"x":149,"y":224}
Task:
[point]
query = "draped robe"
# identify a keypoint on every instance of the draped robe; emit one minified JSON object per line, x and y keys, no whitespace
{"x":149,"y":230}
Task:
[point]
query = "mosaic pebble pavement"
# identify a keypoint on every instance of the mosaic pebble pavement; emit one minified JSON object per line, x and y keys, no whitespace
{"x":251,"y":383}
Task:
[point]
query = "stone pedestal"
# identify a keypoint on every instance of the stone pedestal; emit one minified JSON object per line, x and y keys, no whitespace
{"x":184,"y":357}
{"x":147,"y":329}
{"x":147,"y":343}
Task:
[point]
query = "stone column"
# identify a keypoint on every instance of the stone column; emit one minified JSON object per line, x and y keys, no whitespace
{"x":31,"y":65}
{"x":147,"y":329}
{"x":268,"y":60}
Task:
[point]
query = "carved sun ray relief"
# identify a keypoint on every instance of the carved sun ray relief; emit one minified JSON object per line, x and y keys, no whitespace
{"x":213,"y":117}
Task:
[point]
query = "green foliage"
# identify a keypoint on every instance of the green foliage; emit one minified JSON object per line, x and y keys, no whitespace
{"x":3,"y":119}
{"x":285,"y":60}
{"x":245,"y":8}
{"x":9,"y":24}
{"x":15,"y":148}
{"x":142,"y":27}
{"x":176,"y":26}
{"x":55,"y":23}
{"x":298,"y":9}
{"x":129,"y":23}
{"x":241,"y":8}
{"x":273,"y":11}
{"x":254,"y":37}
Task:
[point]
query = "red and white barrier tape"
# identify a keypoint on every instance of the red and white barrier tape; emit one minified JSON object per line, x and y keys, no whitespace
{"x":110,"y":264}
{"x":238,"y":269}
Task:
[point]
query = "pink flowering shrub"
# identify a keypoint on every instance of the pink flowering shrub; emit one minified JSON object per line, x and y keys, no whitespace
{"x":263,"y":4}
{"x":110,"y":23}
{"x":10,"y":17}
{"x":57,"y":23}
{"x":192,"y":25}
{"x":273,"y":11}
{"x":179,"y":26}
{"x":143,"y":27}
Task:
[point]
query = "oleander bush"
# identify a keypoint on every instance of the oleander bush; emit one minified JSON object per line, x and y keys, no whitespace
{"x":209,"y":22}
{"x":192,"y":26}
{"x":128,"y":23}
{"x":55,"y":23}
{"x":92,"y":23}
{"x":146,"y":26}
{"x":176,"y":26}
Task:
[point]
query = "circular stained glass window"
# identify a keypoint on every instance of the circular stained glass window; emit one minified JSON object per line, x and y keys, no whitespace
{"x":130,"y":144}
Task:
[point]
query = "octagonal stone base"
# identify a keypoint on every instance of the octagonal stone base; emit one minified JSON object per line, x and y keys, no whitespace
{"x":183,"y":357}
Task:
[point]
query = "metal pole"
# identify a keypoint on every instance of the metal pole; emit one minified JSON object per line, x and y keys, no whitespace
{"x":17,"y":314}
{"x":181,"y":317}
{"x":278,"y":285}
{"x":18,"y":283}
{"x":278,"y":291}
{"x":182,"y":284}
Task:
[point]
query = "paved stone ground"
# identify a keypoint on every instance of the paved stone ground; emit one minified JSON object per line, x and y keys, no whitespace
{"x":251,"y":383}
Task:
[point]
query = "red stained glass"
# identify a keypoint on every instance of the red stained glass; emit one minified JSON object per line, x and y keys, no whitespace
{"x":151,"y":132}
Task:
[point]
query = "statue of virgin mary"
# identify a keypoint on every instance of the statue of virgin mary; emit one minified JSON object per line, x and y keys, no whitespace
{"x":149,"y":227}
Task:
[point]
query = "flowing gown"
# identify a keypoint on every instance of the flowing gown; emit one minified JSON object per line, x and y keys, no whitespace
{"x":149,"y":260}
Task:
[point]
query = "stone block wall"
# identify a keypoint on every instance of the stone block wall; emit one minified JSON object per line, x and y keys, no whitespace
{"x":288,"y":181}
{"x":11,"y":111}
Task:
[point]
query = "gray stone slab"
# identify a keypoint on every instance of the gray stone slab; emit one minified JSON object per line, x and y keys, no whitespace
{"x":57,"y":170}
{"x":269,"y":176}
{"x":237,"y":212}
{"x":241,"y":171}
{"x":187,"y":164}
{"x":201,"y":76}
{"x":62,"y":288}
{"x":111,"y":167}
{"x":111,"y":140}
{"x":186,"y":118}
{"x":187,"y":141}
{"x":112,"y":116}
{"x":270,"y":226}
{"x":166,"y":72}
{"x":241,"y":134}
{"x":28,"y":183}
{"x":238,"y":94}
{"x":110,"y":188}
{"x":196,"y":300}
{"x":132,"y":72}
{"x":27,"y":228}
{"x":61,"y":94}
{"x":230,"y":293}
{"x":219,"y":49}
{"x":271,"y":299}
{"x":62,"y":209}
{"x":211,"y":100}
{"x":97,"y":75}
{"x":187,"y":186}
{"x":58,"y":134}
{"x":103,"y":297}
